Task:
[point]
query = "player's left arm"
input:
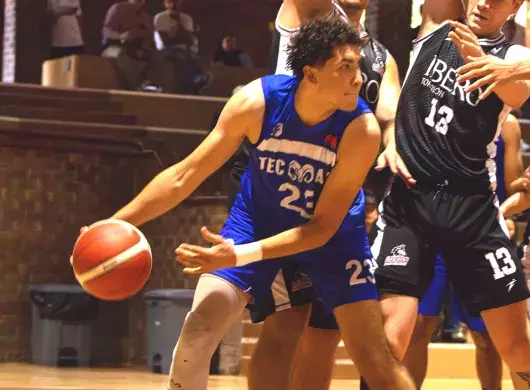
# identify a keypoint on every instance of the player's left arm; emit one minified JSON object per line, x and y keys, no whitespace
{"x":388,"y":98}
{"x":357,"y":151}
{"x":515,"y":204}
{"x":516,"y":92}
{"x":513,"y":162}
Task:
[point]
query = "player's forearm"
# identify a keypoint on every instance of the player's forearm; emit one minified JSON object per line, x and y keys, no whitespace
{"x":163,"y":193}
{"x":389,"y":134}
{"x":515,"y":204}
{"x":513,"y":93}
{"x":300,"y":239}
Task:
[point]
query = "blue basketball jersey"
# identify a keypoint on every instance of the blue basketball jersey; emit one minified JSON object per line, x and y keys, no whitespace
{"x":290,"y":163}
{"x":501,"y":190}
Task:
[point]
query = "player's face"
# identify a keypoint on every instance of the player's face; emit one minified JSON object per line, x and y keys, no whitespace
{"x":486,"y":17}
{"x":339,"y":80}
{"x":353,"y":5}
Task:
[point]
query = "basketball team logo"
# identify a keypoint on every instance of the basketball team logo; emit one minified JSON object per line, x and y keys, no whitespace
{"x":398,"y":256}
{"x":300,"y":281}
{"x":301,"y":173}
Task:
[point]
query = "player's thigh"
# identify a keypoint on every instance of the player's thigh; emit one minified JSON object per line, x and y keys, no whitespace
{"x":487,"y":274}
{"x":424,"y":328}
{"x":342,"y":270}
{"x":405,"y":264}
{"x":321,"y":337}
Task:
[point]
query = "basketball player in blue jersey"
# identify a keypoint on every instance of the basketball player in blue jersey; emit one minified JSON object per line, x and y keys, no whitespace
{"x":286,"y":310}
{"x":312,"y":142}
{"x":513,"y":205}
{"x":445,"y":203}
{"x":509,"y":169}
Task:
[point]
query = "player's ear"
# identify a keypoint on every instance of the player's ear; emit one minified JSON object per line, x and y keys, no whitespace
{"x":309,"y":74}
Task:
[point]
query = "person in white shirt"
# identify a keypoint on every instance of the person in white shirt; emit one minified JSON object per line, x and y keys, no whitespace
{"x":66,"y":35}
{"x":173,"y":27}
{"x":175,"y":35}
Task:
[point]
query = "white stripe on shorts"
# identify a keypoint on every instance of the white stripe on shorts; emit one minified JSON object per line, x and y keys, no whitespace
{"x":280,"y":293}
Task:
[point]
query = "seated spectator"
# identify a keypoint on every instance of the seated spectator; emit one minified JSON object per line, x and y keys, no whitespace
{"x":229,"y":55}
{"x":128,"y":40}
{"x":65,"y":28}
{"x":175,"y":36}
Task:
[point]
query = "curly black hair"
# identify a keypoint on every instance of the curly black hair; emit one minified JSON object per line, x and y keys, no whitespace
{"x":316,"y":40}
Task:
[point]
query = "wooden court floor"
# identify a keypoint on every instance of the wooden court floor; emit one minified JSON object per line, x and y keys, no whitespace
{"x":31,"y":377}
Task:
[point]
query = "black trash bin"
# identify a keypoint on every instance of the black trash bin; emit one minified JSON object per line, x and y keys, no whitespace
{"x":62,"y":316}
{"x":166,"y":312}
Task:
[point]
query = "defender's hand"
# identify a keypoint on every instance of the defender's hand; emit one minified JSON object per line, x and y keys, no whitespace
{"x":466,"y":41}
{"x":198,"y":259}
{"x":487,"y":69}
{"x":391,"y":158}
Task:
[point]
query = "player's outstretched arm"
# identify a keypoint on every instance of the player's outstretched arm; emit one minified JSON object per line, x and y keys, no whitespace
{"x":388,"y":99}
{"x":294,"y":13}
{"x":515,"y":204}
{"x":491,"y":72}
{"x":357,"y":152}
{"x":241,"y":117}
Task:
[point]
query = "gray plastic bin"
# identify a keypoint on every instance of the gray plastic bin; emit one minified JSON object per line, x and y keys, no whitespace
{"x":166,"y":312}
{"x":61,"y":324}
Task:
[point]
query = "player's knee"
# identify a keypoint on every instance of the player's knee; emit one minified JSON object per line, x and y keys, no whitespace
{"x":198,"y":336}
{"x":423,"y":329}
{"x":483,"y":342}
{"x":515,"y":351}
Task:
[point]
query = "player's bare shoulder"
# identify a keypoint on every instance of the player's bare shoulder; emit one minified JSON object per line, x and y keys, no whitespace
{"x":437,"y":12}
{"x":364,"y":132}
{"x":247,"y":108}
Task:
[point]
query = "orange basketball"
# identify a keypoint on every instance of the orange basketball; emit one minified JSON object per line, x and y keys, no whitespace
{"x":112,"y":260}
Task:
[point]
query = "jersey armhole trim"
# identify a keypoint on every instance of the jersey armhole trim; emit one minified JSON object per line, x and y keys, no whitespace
{"x":416,"y":41}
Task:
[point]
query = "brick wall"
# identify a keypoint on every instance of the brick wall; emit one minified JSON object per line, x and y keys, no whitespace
{"x":45,"y":196}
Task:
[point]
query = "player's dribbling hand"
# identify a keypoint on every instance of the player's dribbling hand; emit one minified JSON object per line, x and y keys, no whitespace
{"x":81,"y":231}
{"x":199,"y":260}
{"x":390,"y":158}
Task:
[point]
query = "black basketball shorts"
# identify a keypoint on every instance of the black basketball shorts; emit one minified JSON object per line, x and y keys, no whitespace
{"x":463,"y":224}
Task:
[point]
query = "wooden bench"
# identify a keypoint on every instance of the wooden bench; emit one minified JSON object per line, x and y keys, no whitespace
{"x":88,"y":71}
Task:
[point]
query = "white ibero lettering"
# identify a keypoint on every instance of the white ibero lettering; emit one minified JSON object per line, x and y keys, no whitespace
{"x":295,"y":171}
{"x":440,"y":78}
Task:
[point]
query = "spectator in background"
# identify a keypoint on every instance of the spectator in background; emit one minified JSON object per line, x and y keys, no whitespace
{"x":128,"y":40}
{"x":174,"y":37}
{"x":229,"y":55}
{"x":66,"y":35}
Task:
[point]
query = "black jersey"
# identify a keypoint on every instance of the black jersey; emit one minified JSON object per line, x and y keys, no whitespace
{"x":373,"y":61}
{"x":373,"y":67}
{"x":443,"y":133}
